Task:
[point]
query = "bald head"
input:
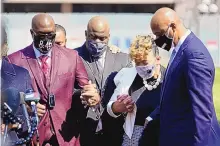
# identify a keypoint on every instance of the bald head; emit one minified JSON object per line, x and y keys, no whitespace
{"x":98,"y":24}
{"x":98,"y":29}
{"x":43,"y":23}
{"x":166,"y":21}
{"x":43,"y":32}
{"x":162,"y":19}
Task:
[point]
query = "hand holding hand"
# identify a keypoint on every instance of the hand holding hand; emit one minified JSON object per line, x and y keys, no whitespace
{"x":123,"y":104}
{"x":90,"y":95}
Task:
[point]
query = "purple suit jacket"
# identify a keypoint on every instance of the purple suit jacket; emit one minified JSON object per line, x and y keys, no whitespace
{"x":187,"y":113}
{"x":67,"y":69}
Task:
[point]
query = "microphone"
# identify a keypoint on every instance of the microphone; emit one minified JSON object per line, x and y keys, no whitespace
{"x":24,"y":110}
{"x":11,"y":97}
{"x":32,"y":98}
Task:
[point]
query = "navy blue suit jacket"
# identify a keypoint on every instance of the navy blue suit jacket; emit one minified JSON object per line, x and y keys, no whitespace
{"x":16,"y":77}
{"x":187,"y":113}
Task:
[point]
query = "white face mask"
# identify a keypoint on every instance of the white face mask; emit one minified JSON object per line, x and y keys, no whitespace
{"x":146,"y":72}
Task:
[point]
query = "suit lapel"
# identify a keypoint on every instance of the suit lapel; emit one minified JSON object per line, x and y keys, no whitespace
{"x":175,"y":63}
{"x":35,"y":68}
{"x":109,"y":65}
{"x":55,"y":62}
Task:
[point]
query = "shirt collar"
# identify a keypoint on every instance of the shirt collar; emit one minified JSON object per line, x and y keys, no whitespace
{"x":181,"y":41}
{"x":38,"y":53}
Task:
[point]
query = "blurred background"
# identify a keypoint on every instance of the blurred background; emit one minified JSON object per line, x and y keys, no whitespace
{"x":127,"y":19}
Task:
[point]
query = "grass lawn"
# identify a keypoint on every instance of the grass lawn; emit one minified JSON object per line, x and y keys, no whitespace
{"x":216,"y":92}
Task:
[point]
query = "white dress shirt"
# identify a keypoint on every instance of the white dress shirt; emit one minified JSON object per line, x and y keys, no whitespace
{"x":102,"y":59}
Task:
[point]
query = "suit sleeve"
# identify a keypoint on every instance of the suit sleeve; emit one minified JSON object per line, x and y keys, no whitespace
{"x":81,"y":74}
{"x":154,"y":115}
{"x":199,"y":78}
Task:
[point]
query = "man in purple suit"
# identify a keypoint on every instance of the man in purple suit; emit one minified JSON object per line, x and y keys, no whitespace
{"x":55,"y":71}
{"x":186,"y":110}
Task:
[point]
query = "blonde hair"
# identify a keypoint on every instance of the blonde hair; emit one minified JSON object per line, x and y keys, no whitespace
{"x":141,"y":46}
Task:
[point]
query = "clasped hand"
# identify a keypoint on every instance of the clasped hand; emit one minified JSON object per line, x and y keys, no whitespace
{"x":123,"y":104}
{"x":90,"y":95}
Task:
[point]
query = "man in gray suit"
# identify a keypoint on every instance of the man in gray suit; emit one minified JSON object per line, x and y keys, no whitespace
{"x":100,"y":62}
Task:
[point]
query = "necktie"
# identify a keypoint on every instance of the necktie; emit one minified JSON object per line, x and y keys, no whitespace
{"x":99,"y":66}
{"x":44,"y":65}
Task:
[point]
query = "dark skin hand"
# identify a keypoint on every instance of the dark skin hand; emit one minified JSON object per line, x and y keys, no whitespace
{"x":123,"y":104}
{"x":90,"y":95}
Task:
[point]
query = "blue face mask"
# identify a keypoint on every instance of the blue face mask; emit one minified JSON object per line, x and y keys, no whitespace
{"x":96,"y":49}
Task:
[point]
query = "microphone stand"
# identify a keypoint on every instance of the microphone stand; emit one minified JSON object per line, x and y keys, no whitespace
{"x":35,"y":117}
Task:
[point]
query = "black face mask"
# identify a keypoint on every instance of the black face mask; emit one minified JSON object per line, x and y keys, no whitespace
{"x":44,"y":43}
{"x":164,"y":42}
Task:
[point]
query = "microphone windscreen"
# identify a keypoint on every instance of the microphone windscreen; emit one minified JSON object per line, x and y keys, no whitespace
{"x":11,"y":97}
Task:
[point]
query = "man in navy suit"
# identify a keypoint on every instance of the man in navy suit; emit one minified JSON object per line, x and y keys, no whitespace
{"x":12,"y":76}
{"x":186,"y":110}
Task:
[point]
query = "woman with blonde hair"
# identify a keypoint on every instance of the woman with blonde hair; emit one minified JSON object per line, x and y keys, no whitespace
{"x":137,"y":93}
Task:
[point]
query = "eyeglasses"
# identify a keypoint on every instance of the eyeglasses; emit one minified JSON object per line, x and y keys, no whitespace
{"x":50,"y":35}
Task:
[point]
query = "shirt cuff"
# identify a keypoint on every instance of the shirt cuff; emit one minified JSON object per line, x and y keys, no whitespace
{"x":109,"y":109}
{"x":149,"y":119}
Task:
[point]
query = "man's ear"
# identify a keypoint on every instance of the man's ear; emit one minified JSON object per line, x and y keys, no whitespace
{"x":32,"y":34}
